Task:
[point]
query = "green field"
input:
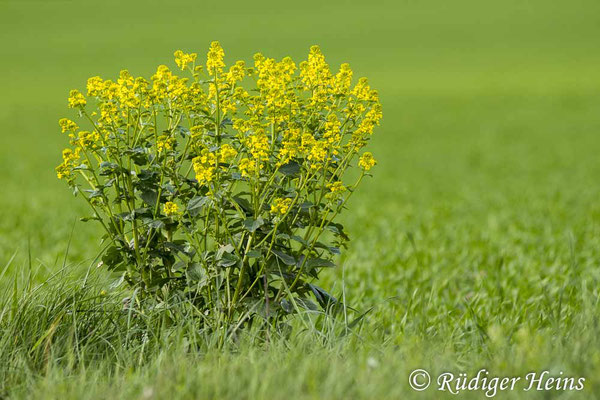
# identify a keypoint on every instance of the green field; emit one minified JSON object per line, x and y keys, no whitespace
{"x":476,"y":243}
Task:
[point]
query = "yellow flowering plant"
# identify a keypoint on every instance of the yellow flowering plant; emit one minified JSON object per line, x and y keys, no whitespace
{"x":222,"y":186}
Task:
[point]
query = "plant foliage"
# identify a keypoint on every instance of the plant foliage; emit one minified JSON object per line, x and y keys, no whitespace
{"x":223,"y":187}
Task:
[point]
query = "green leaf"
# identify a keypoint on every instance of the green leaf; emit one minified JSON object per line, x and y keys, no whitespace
{"x":252,"y":224}
{"x":287,"y":306}
{"x":196,"y":274}
{"x":324,"y":298}
{"x":180,"y":246}
{"x":224,"y":256}
{"x":225,"y":249}
{"x":338,"y":230}
{"x":195,"y":205}
{"x":244,"y":204}
{"x":138,"y":155}
{"x":290,"y":169}
{"x":227,"y":260}
{"x":82,"y":167}
{"x":126,"y":216}
{"x":108,"y":168}
{"x":318,"y":263}
{"x":149,"y":197}
{"x":86,"y":219}
{"x":153,"y":223}
{"x":299,"y":240}
{"x":331,"y":249}
{"x":285,"y":258}
{"x":112,"y":258}
{"x":93,"y":193}
{"x":253,"y":254}
{"x":306,"y":304}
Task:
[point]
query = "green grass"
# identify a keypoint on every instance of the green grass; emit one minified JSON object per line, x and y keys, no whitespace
{"x":476,"y":242}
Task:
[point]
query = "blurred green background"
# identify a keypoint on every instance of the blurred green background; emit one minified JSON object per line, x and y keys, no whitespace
{"x":477,"y":239}
{"x":488,"y":106}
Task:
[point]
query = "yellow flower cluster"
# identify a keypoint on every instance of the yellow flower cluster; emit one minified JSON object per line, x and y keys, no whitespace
{"x":165,"y":142}
{"x":304,"y":114}
{"x":236,"y":73}
{"x":227,"y":153}
{"x":204,"y":167}
{"x":70,"y":160}
{"x":214,"y":58}
{"x":258,"y":144}
{"x":170,"y":209}
{"x":196,"y":131}
{"x":366,"y":161}
{"x":95,"y":85}
{"x":184,"y":59}
{"x":274,"y":83}
{"x":76,"y":99}
{"x":335,"y":190}
{"x":316,"y":76}
{"x":280,"y":206}
{"x":247,"y":167}
{"x":248,"y":155}
{"x":343,"y":79}
{"x":87,"y":139}
{"x":290,"y":145}
{"x":66,"y":125}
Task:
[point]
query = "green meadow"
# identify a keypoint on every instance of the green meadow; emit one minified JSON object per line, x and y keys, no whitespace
{"x":476,"y":244}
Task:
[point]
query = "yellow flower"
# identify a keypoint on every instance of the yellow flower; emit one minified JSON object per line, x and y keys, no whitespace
{"x":241,"y":125}
{"x":170,"y":208}
{"x":110,"y":90}
{"x":160,"y":83}
{"x":259,"y":146}
{"x":343,"y":79}
{"x":63,"y":171}
{"x":290,"y":145}
{"x":240,"y":94}
{"x":307,"y":142}
{"x":94,"y":86}
{"x":214,"y":58}
{"x":335,"y":190}
{"x":196,"y":131}
{"x":316,"y":76}
{"x":163,"y":73}
{"x":76,"y":99}
{"x":247,"y":167}
{"x":204,"y":174}
{"x":281,"y":205}
{"x":317,"y":154}
{"x":70,"y":160}
{"x":125,"y":79}
{"x":366,"y":161}
{"x":204,"y":167}
{"x":273,"y":81}
{"x":70,"y":156}
{"x":363,"y":91}
{"x":236,"y":73}
{"x":332,"y":130}
{"x":165,"y":143}
{"x":67,"y":125}
{"x":88,"y":139}
{"x":315,"y":70}
{"x":228,"y":106}
{"x":183,"y":59}
{"x":227,"y":152}
{"x":109,"y":112}
{"x":370,"y":120}
{"x":207,"y":158}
